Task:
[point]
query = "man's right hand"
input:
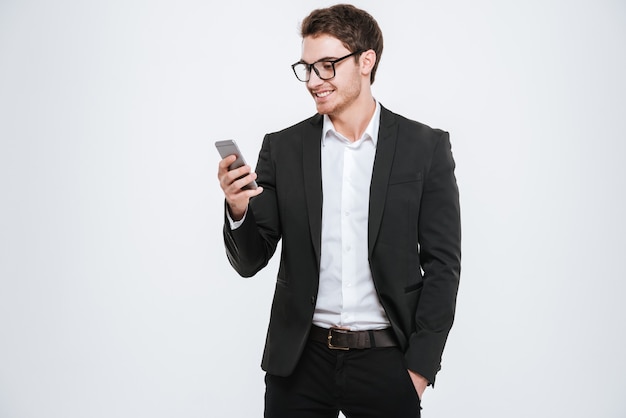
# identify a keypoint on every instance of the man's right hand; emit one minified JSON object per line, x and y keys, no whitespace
{"x":236,"y":198}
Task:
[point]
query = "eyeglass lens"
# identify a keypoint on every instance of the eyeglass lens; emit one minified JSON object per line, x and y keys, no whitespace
{"x":325,"y":70}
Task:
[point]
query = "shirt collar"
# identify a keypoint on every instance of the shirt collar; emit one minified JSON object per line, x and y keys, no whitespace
{"x":371,"y":131}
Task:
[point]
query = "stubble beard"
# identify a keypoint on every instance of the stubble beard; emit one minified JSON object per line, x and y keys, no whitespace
{"x":345,"y":98}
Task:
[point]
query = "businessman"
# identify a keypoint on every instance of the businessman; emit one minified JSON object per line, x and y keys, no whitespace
{"x":366,"y":204}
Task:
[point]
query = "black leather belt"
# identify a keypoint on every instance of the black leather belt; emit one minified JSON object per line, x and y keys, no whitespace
{"x":341,"y":339}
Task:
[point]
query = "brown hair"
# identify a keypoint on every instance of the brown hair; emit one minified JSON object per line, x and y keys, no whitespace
{"x":355,"y":28}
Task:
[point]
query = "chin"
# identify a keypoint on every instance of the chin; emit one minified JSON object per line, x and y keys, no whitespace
{"x":324,"y":109}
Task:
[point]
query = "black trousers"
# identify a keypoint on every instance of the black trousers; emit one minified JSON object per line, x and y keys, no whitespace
{"x":369,"y":383}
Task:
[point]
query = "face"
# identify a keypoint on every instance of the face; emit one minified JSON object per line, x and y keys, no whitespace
{"x":333,"y":96}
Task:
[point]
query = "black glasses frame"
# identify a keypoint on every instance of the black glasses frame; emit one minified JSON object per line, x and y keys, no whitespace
{"x":331,"y":62}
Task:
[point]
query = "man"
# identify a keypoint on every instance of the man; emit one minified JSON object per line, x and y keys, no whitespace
{"x":366,"y":204}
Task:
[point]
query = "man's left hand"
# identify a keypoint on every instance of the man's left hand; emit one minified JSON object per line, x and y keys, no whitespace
{"x":420,"y":383}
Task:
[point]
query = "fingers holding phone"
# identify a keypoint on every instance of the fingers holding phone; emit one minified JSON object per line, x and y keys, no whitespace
{"x":236,"y":178}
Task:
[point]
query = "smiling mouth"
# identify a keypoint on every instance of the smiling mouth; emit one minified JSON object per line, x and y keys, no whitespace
{"x":323,"y":94}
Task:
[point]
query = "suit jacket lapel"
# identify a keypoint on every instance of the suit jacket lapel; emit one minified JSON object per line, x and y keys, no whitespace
{"x":385,"y":150}
{"x":312,"y":166}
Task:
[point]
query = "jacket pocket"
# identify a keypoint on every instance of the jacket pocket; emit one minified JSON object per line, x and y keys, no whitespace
{"x":405,"y":178}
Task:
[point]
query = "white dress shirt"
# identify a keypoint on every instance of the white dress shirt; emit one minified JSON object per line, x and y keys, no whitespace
{"x":347,"y":296}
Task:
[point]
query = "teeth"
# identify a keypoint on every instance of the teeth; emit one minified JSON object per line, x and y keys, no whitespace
{"x":323,"y":94}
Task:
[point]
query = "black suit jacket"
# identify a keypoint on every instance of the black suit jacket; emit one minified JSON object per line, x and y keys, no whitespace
{"x":414,"y":237}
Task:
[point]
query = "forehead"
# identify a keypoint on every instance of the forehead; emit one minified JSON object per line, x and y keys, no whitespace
{"x":322,"y":46}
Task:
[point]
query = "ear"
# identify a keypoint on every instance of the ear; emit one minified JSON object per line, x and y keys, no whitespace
{"x":368,"y":59}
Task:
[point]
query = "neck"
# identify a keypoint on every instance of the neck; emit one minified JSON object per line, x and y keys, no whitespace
{"x":353,"y":121}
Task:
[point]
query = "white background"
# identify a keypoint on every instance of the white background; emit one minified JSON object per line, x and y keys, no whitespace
{"x":116,"y":297}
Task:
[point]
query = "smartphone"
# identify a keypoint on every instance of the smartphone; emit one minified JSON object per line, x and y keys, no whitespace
{"x":229,"y":147}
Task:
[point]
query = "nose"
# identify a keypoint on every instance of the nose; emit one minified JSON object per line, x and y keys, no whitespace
{"x":314,"y":80}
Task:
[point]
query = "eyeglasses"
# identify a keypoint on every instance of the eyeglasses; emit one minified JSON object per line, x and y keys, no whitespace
{"x":324,"y":69}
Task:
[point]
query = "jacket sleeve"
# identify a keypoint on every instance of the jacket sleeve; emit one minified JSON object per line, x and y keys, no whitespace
{"x":250,"y":247}
{"x":440,"y":257}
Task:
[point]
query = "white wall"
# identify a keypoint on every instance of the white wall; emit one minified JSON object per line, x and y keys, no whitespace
{"x":116,"y":298}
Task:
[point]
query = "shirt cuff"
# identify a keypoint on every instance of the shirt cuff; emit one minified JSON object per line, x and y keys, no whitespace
{"x":236,"y":224}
